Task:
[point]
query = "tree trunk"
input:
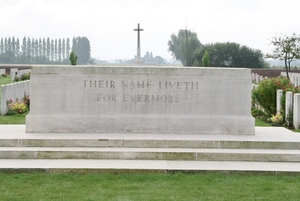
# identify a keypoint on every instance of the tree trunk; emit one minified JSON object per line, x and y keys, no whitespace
{"x":286,"y":67}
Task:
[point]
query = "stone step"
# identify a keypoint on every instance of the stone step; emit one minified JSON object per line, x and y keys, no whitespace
{"x":261,"y":155}
{"x":149,"y":143}
{"x":264,"y":138}
{"x":146,"y":166}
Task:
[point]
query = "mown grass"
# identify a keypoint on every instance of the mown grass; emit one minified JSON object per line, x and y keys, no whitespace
{"x":31,"y":187}
{"x":13,"y":119}
{"x":3,"y":81}
{"x":259,"y":122}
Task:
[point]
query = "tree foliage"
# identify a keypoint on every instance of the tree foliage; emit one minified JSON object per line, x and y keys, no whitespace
{"x":287,"y":48}
{"x":183,"y":45}
{"x":265,"y":94}
{"x":148,"y":58}
{"x":230,"y":55}
{"x":73,"y":58}
{"x":43,"y":51}
{"x":205,"y":60}
{"x":81,"y":47}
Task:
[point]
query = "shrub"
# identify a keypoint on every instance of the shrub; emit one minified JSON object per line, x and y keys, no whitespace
{"x":26,"y":100}
{"x":16,"y":106}
{"x":259,"y":114}
{"x":73,"y":58}
{"x":277,"y":120}
{"x":265,"y":94}
{"x":17,"y":79}
{"x":25,"y":76}
{"x":19,"y":107}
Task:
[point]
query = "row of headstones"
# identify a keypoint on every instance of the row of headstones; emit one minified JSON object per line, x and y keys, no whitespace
{"x":292,"y":106}
{"x":294,"y":77}
{"x":13,"y":91}
{"x":257,"y":78}
{"x":14,"y":72}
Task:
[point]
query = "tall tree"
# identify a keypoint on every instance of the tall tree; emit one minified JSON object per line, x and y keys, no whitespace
{"x":63,"y":49}
{"x":287,"y":48}
{"x":48,"y":50}
{"x":24,"y":51}
{"x":59,"y":50}
{"x":5,"y":45}
{"x":81,"y":47}
{"x":55,"y":50}
{"x":230,"y":55}
{"x":28,"y":49}
{"x":1,"y":46}
{"x":183,"y":46}
{"x":18,"y":51}
{"x":52,"y":51}
{"x":13,"y":50}
{"x":205,"y":60}
{"x":40,"y":52}
{"x":68,"y":48}
{"x":44,"y":51}
{"x":9,"y":50}
{"x":36,"y":51}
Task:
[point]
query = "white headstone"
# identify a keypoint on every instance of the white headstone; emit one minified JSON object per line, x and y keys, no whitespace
{"x":288,"y":106}
{"x":2,"y":72}
{"x":296,"y":112}
{"x":279,"y":94}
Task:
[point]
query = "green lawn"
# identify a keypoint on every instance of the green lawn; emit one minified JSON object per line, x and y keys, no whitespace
{"x":3,"y":81}
{"x":13,"y":119}
{"x":31,"y":187}
{"x":259,"y":122}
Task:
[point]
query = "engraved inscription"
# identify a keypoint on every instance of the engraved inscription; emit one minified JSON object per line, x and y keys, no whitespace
{"x":136,"y":84}
{"x":126,"y":97}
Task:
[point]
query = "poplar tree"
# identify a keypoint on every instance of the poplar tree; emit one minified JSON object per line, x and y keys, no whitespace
{"x":55,"y":50}
{"x":24,"y":50}
{"x":63,"y":49}
{"x":40,"y":46}
{"x":9,"y":51}
{"x":13,"y":49}
{"x":52,"y":50}
{"x":17,"y":51}
{"x":44,"y":53}
{"x":59,"y":50}
{"x":1,"y":46}
{"x":48,"y":49}
{"x":68,"y":48}
{"x":28,"y":50}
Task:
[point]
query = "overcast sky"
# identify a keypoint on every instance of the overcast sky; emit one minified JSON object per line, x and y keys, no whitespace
{"x":109,"y":24}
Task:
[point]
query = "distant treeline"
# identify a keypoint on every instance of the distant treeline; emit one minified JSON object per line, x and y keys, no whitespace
{"x":43,"y":51}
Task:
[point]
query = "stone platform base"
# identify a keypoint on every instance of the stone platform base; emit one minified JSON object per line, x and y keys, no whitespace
{"x":273,"y":151}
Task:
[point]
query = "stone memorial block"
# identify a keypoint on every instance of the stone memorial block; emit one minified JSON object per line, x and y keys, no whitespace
{"x":89,"y":99}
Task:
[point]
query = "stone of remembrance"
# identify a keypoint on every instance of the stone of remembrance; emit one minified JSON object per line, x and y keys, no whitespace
{"x":94,"y":99}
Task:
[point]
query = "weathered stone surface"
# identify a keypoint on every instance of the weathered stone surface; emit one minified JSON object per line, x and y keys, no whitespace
{"x":140,"y":100}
